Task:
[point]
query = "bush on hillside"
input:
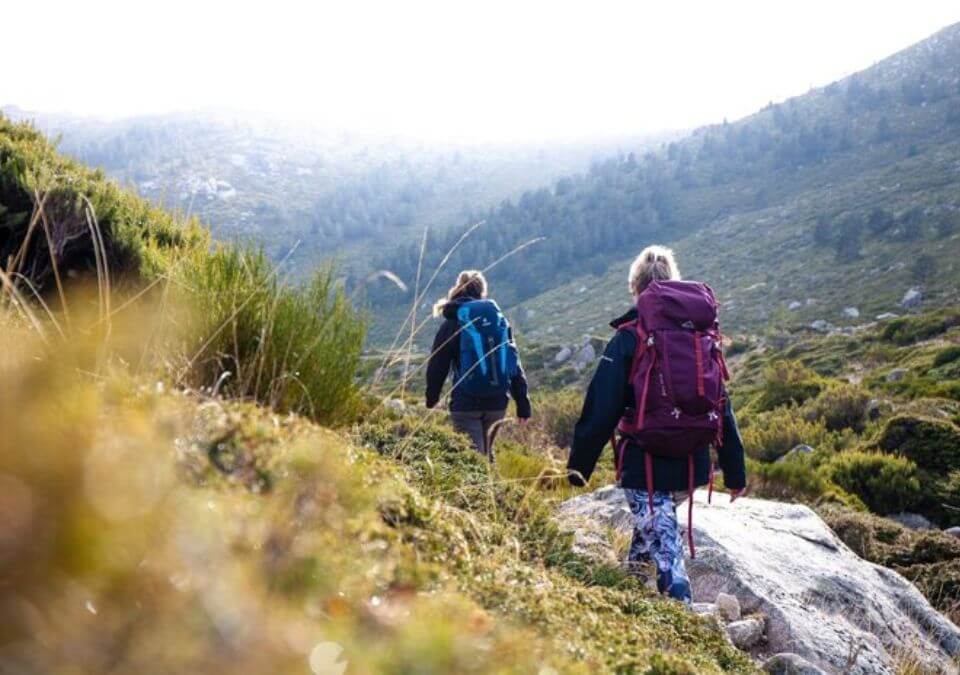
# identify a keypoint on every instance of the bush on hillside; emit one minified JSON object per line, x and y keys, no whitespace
{"x":770,"y":435}
{"x":787,"y":382}
{"x":910,"y":329}
{"x":885,"y":483}
{"x":934,"y":445}
{"x":295,"y":349}
{"x":946,"y":497}
{"x":842,"y":406}
{"x":796,"y":480}
{"x":947,"y":355}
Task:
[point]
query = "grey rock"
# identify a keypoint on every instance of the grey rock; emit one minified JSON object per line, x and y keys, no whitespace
{"x":821,"y":601}
{"x":705,"y":609}
{"x":887,"y":315}
{"x":586,"y":355}
{"x":563,"y":355}
{"x":811,"y":301}
{"x":745,"y":633}
{"x":794,"y":305}
{"x":912,"y":298}
{"x":395,"y":404}
{"x":851,"y":312}
{"x":790,"y":664}
{"x":729,"y":606}
{"x":896,"y":374}
{"x":953,"y":531}
{"x":797,"y":451}
{"x":874,"y":410}
{"x":821,"y":326}
{"x":912,"y":521}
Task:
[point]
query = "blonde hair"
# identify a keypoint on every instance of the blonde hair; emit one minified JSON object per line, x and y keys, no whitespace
{"x":655,"y":263}
{"x":470,"y":283}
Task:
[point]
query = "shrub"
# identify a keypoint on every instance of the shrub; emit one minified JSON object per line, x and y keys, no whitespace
{"x":796,"y":480}
{"x":910,"y":329}
{"x":842,"y":406}
{"x":787,"y":382}
{"x":947,"y":355}
{"x":293,"y":348}
{"x":933,"y":444}
{"x":771,"y":435}
{"x":885,"y":483}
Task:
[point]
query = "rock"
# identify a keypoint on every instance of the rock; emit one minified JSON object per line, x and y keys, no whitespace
{"x":912,"y":298}
{"x":821,"y":601}
{"x":794,"y":305}
{"x":896,"y":374}
{"x":729,"y":606}
{"x":790,"y":664}
{"x":912,"y":521}
{"x":874,"y":410}
{"x":820,"y":326}
{"x":563,"y":355}
{"x":745,"y":633}
{"x":586,"y":355}
{"x":887,"y":315}
{"x":395,"y":404}
{"x":851,"y":312}
{"x":811,"y":302}
{"x":953,"y":531}
{"x":797,"y":451}
{"x":705,"y":609}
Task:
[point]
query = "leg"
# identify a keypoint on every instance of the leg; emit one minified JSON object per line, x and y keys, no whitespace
{"x":491,"y":425}
{"x":470,"y":423}
{"x":656,"y":537}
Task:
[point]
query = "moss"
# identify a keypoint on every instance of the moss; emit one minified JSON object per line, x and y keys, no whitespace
{"x":933,"y":444}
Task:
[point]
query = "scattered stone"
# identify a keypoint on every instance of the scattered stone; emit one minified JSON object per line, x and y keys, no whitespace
{"x":705,"y":609}
{"x":811,"y":302}
{"x":395,"y":404}
{"x":874,"y":410}
{"x":887,"y":315}
{"x":851,"y":312}
{"x":821,"y":326}
{"x":745,"y":633}
{"x":582,"y":289}
{"x":912,"y":298}
{"x":563,"y":355}
{"x":729,"y":606}
{"x":797,"y":451}
{"x":586,"y":356}
{"x":790,"y":664}
{"x":896,"y":374}
{"x":794,"y":305}
{"x":953,"y":531}
{"x":912,"y":521}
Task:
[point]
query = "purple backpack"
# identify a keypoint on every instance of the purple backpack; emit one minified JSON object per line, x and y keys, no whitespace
{"x":677,"y":376}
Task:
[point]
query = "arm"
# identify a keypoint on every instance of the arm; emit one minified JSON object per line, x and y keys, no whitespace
{"x":441,"y":356}
{"x":518,"y":391}
{"x":731,"y":453}
{"x":602,"y":409}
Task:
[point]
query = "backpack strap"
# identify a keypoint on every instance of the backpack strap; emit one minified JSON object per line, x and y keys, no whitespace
{"x":690,"y":488}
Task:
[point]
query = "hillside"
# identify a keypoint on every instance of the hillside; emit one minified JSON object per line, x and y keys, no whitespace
{"x":845,"y":181}
{"x":338,"y":194}
{"x":192,"y":480}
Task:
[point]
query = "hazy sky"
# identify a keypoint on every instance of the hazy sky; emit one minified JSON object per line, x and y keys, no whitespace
{"x":479,"y":70}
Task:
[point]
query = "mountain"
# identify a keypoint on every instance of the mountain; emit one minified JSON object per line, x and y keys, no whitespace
{"x":847,"y":195}
{"x":335,"y":192}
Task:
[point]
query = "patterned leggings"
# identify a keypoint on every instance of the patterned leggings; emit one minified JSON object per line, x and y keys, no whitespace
{"x":657,"y":537}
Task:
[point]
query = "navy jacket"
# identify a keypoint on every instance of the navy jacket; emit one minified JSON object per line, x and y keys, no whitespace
{"x":446,"y":354}
{"x":610,"y":393}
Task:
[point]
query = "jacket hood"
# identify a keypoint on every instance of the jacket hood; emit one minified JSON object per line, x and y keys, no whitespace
{"x":631,"y":315}
{"x":450,"y":309}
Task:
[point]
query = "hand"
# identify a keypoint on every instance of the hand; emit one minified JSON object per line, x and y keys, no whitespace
{"x":522,"y":421}
{"x":734,"y":494}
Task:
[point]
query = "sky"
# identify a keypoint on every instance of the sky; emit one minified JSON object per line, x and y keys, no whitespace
{"x":484,"y":70}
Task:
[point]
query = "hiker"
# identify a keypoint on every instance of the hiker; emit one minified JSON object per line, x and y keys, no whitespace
{"x":477,"y":341}
{"x":659,"y":384}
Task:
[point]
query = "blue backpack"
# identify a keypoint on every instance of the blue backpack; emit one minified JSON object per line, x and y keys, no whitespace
{"x":488,"y":355}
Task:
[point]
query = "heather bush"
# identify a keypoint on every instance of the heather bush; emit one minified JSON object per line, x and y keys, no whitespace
{"x":885,"y":483}
{"x":770,"y":435}
{"x":933,"y":444}
{"x":787,"y":382}
{"x":839,"y":407}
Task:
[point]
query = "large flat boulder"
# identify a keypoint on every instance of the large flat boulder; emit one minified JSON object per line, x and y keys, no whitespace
{"x":821,"y":600}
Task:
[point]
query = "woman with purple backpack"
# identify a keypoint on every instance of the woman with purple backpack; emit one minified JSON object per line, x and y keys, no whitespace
{"x":658,"y":396}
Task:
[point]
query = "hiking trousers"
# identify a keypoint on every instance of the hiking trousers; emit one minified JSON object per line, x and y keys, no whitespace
{"x":481,"y":426}
{"x":656,"y":538}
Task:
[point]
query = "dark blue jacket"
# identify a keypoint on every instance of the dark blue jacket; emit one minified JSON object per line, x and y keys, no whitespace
{"x":609,"y":395}
{"x":445,"y":355}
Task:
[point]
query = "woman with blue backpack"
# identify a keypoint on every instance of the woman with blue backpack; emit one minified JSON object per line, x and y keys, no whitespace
{"x":475,"y":342}
{"x":658,"y":396}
